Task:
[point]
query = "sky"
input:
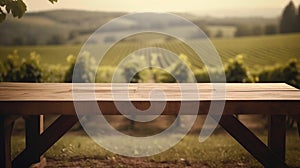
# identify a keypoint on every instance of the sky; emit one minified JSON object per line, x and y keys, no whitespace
{"x":218,"y":8}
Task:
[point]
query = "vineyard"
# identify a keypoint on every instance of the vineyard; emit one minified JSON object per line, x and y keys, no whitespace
{"x":258,"y":51}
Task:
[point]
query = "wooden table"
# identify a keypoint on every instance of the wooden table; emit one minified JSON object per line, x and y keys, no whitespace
{"x":31,"y":100}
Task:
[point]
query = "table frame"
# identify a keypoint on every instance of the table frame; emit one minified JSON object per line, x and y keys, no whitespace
{"x":38,"y":141}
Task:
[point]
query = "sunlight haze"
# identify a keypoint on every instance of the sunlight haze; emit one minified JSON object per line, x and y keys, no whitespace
{"x":267,"y":8}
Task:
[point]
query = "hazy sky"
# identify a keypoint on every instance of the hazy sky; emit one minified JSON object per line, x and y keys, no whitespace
{"x":267,"y":8}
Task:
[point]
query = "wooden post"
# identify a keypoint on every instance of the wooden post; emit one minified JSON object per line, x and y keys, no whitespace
{"x":297,"y":119}
{"x":44,"y":141}
{"x":6,"y":126}
{"x":32,"y":126}
{"x":277,"y":135}
{"x":250,"y":142}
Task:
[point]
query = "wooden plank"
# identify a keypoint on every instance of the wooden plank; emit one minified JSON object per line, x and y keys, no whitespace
{"x":250,"y":142}
{"x":201,"y":86}
{"x":142,"y":92}
{"x":277,"y":135}
{"x":51,"y":135}
{"x":6,"y":126}
{"x":171,"y":108}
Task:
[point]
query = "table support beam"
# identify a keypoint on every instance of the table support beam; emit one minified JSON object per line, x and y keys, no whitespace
{"x":32,"y":133}
{"x":6,"y":126}
{"x":250,"y":142}
{"x":297,"y":119}
{"x":276,"y":135}
{"x":43,"y":142}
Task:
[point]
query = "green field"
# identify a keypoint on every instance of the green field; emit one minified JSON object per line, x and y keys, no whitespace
{"x":220,"y":150}
{"x":258,"y":51}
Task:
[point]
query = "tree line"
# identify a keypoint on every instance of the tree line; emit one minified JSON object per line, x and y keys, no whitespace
{"x":16,"y":69}
{"x":290,"y":20}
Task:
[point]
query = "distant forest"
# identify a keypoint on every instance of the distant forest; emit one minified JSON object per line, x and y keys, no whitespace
{"x":74,"y":27}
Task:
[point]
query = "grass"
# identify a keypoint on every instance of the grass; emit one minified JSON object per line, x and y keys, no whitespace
{"x":259,"y":51}
{"x":218,"y":150}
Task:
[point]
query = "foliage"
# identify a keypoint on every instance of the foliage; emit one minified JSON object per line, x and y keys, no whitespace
{"x":202,"y":75}
{"x":263,"y":51}
{"x":14,"y":69}
{"x":288,"y":73}
{"x":219,"y":34}
{"x":16,"y":7}
{"x":85,"y":68}
{"x":162,"y":76}
{"x":31,"y":70}
{"x":236,"y":71}
{"x":181,"y":70}
{"x":2,"y":72}
{"x":243,"y":30}
{"x":271,"y":29}
{"x":57,"y":39}
{"x":288,"y":20}
{"x":131,"y":69}
{"x":260,"y":51}
{"x":54,"y":73}
{"x":257,"y":30}
{"x":105,"y":74}
{"x":298,"y":20}
{"x":131,"y":75}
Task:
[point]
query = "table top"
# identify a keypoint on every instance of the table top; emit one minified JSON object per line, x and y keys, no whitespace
{"x":57,"y":98}
{"x":146,"y":91}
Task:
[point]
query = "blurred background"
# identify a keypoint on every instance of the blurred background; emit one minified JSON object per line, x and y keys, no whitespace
{"x":258,"y":41}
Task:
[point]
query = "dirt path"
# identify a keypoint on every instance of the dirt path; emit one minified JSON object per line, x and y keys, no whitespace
{"x":122,"y":162}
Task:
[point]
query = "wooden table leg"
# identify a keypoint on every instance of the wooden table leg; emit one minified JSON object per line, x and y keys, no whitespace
{"x":250,"y":142}
{"x":277,"y":135}
{"x":43,"y":142}
{"x":297,"y":119}
{"x":298,"y":125}
{"x":32,"y":133}
{"x":6,"y":126}
{"x":33,"y":128}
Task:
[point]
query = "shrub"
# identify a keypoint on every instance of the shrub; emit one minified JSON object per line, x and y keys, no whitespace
{"x":14,"y":69}
{"x":105,"y":74}
{"x":162,"y":76}
{"x":236,"y":71}
{"x":202,"y":75}
{"x":288,"y":73}
{"x":53,"y":73}
{"x":85,"y":68}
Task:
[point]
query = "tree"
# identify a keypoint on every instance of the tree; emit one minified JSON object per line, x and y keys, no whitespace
{"x":243,"y":30}
{"x":298,"y":20}
{"x":271,"y":29}
{"x":219,"y":34}
{"x":257,"y":30}
{"x":56,"y":39}
{"x":288,"y":20}
{"x":16,"y":7}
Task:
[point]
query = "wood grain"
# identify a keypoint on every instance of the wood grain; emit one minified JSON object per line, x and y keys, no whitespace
{"x":57,"y":98}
